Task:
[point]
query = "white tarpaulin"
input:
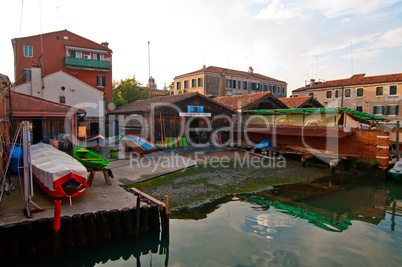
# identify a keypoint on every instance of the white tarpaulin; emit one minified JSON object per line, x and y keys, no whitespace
{"x":52,"y":168}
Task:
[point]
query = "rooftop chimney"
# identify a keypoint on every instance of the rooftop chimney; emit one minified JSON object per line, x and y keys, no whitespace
{"x":105,"y":44}
{"x":204,"y":67}
{"x":250,"y":70}
{"x":312,"y":82}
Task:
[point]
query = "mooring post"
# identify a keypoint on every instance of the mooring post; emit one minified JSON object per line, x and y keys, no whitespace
{"x":126,"y":221}
{"x":88,"y":220}
{"x":102,"y":223}
{"x":67,"y":234}
{"x":79,"y":230}
{"x":137,"y":226}
{"x":26,"y":237}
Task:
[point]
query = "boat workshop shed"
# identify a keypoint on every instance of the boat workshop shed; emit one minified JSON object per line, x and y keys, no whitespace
{"x":182,"y":115}
{"x":337,"y":130}
{"x":50,"y":120}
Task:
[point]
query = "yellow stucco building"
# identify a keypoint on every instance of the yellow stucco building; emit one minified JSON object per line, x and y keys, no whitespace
{"x":216,"y":81}
{"x":378,"y":95}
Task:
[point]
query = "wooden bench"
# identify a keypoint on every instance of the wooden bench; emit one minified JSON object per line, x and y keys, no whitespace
{"x":107,"y":174}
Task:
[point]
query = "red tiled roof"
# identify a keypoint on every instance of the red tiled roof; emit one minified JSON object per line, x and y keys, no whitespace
{"x":245,"y":101}
{"x":299,"y":101}
{"x":140,"y":106}
{"x":219,"y":70}
{"x":358,"y":79}
{"x":24,"y":104}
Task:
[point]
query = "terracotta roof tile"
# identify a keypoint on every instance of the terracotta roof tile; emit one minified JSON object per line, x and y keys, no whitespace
{"x":219,"y":70}
{"x":358,"y":79}
{"x":295,"y":102}
{"x":246,"y":100}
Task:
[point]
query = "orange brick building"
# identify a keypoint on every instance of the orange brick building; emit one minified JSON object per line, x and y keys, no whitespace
{"x":63,"y":50}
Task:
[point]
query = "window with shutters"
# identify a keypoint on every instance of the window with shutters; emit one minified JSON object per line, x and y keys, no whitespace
{"x":328,"y":94}
{"x":359,"y":108}
{"x":379,"y":90}
{"x":378,"y":110}
{"x":392,"y":90}
{"x":199,"y":82}
{"x":392,"y":110}
{"x":28,"y":51}
{"x":359,"y":92}
{"x":101,"y":80}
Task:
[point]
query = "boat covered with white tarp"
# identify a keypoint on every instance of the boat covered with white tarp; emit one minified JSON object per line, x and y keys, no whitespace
{"x":57,"y":173}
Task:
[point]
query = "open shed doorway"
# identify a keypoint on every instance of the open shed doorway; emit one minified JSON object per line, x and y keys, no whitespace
{"x":195,"y":130}
{"x":37,"y":133}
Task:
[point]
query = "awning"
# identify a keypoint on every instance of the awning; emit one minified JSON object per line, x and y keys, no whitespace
{"x":351,"y":112}
{"x":84,"y":49}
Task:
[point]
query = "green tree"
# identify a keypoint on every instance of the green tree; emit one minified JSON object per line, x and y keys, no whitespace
{"x":127,"y":91}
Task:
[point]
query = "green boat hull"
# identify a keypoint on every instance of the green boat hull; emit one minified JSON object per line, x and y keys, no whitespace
{"x":89,"y":158}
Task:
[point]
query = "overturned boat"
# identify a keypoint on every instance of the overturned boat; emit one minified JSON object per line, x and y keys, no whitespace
{"x":137,"y":144}
{"x":57,"y":173}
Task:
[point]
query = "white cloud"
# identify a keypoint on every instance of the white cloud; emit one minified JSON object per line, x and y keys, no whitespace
{"x":276,"y":11}
{"x":392,"y":38}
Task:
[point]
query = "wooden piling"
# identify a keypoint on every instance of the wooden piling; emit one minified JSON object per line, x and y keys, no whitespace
{"x":115,"y":223}
{"x":144,"y":218}
{"x":137,"y":216}
{"x":66,"y":229}
{"x":9,"y":235}
{"x":88,"y":220}
{"x":2,"y":252}
{"x":42,"y":229}
{"x":26,"y":237}
{"x":154,"y":224}
{"x":80,"y":236}
{"x":102,"y":225}
{"x":127,"y":222}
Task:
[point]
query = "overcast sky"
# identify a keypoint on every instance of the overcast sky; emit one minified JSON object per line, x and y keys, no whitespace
{"x":292,"y":41}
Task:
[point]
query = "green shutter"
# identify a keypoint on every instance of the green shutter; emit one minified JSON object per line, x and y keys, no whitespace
{"x":383,"y":110}
{"x":392,"y":90}
{"x":397,"y":110}
{"x":373,"y":110}
{"x":387,"y":111}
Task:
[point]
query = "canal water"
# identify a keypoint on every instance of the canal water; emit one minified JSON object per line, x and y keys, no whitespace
{"x":325,"y":223}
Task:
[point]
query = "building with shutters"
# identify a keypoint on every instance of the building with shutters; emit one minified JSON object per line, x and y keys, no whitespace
{"x":377,"y":95}
{"x":217,"y":81}
{"x":84,"y":65}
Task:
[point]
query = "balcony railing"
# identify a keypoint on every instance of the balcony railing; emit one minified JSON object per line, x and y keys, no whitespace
{"x":86,"y":63}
